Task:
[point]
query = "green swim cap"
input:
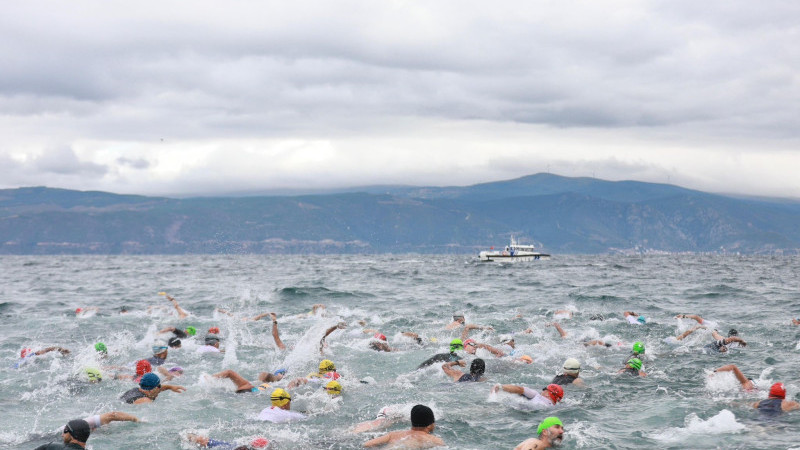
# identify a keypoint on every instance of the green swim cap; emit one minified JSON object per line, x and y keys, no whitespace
{"x":636,"y":363}
{"x":547,"y":423}
{"x":93,"y":374}
{"x":191,"y":331}
{"x":638,"y":347}
{"x":100,"y":347}
{"x":456,"y":344}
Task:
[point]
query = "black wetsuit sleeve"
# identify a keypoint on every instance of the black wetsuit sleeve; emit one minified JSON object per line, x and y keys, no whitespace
{"x":180,"y":333}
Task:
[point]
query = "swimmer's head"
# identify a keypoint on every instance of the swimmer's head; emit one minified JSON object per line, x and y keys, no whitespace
{"x":508,"y":340}
{"x":25,"y":352}
{"x":191,"y":331}
{"x":279,"y":397}
{"x":174,"y":342}
{"x":177,"y":369}
{"x":213,"y":330}
{"x":732,"y":332}
{"x":159,"y":349}
{"x":422,"y":416}
{"x":93,"y":375}
{"x":150,"y":381}
{"x":478,"y":367}
{"x":635,"y":363}
{"x":777,"y":390}
{"x":78,"y":310}
{"x":212,"y":340}
{"x":259,"y":442}
{"x":547,"y":423}
{"x":641,"y":319}
{"x":572,"y":366}
{"x":596,"y":317}
{"x":526,"y":359}
{"x":326,"y":365}
{"x":638,"y":348}
{"x":280,"y":372}
{"x":264,"y":387}
{"x":143,"y":366}
{"x":456,"y":345}
{"x":556,"y":392}
{"x":459,"y":318}
{"x":78,"y":429}
{"x":380,"y":336}
{"x":470,"y":346}
{"x":100,"y":348}
{"x":333,"y":388}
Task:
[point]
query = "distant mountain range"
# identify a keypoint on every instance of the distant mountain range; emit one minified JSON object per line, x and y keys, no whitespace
{"x":558,"y":214}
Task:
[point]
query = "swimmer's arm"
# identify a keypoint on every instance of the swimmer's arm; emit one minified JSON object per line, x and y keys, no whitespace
{"x":297,"y":382}
{"x":736,"y":339}
{"x":514,"y":389}
{"x":788,"y":405}
{"x":172,"y":387}
{"x":340,"y":325}
{"x":117,"y":416}
{"x":275,"y":334}
{"x":62,"y":350}
{"x":165,"y":374}
{"x":717,"y":337}
{"x":369,"y":331}
{"x":453,"y":373}
{"x":690,"y":316}
{"x":167,"y":330}
{"x":260,"y":316}
{"x":495,"y":351}
{"x":558,"y":327}
{"x":642,"y":373}
{"x":139,"y":401}
{"x":738,"y":373}
{"x":181,"y":313}
{"x":688,"y":332}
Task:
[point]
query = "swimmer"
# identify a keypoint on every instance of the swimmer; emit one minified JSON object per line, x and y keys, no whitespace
{"x":476,"y":370}
{"x":455,"y":345}
{"x":470,"y":327}
{"x":280,"y":411}
{"x":327,"y":371}
{"x":558,"y":327}
{"x":143,"y":366}
{"x":698,"y":319}
{"x":101,"y":349}
{"x":160,"y":353}
{"x":80,"y":312}
{"x":322,"y":343}
{"x":549,"y":396}
{"x":637,"y":351}
{"x":244,"y":319}
{"x":597,"y":342}
{"x":633,"y":318}
{"x":747,"y":383}
{"x":470,"y":346}
{"x":458,"y":321}
{"x":384,"y":420}
{"x":633,"y":367}
{"x":419,"y":436}
{"x":244,"y":386}
{"x":378,"y":343}
{"x":27,"y":355}
{"x":550,"y":433}
{"x":183,"y":334}
{"x":570,"y":373}
{"x":562,"y":314}
{"x":204,"y":442}
{"x":796,"y":321}
{"x":211,"y":345}
{"x":93,"y":375}
{"x":173,"y":372}
{"x":721,"y":344}
{"x":149,"y":388}
{"x":275,"y":333}
{"x":182,"y":314}
{"x":76,"y":432}
{"x":776,"y":403}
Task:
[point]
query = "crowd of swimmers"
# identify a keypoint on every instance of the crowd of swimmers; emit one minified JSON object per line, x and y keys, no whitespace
{"x":152,"y":377}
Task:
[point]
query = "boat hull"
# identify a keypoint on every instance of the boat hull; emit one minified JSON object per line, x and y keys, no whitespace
{"x":503,"y":257}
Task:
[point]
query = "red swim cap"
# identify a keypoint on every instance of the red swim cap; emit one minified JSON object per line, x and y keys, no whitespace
{"x":25,"y":352}
{"x":78,"y":311}
{"x":332,"y":375}
{"x":213,"y":330}
{"x":143,"y":366}
{"x":469,"y":342}
{"x":259,"y":442}
{"x":777,"y":390}
{"x":380,"y":336}
{"x":556,"y":392}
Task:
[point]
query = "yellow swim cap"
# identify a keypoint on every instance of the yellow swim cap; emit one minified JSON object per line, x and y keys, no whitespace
{"x":333,"y":388}
{"x":326,"y":366}
{"x":280,"y":397}
{"x":264,"y":387}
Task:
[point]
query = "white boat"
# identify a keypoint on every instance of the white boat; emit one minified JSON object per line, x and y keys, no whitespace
{"x":512,"y":253}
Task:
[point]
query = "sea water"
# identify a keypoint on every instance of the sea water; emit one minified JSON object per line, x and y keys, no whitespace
{"x":680,"y":404}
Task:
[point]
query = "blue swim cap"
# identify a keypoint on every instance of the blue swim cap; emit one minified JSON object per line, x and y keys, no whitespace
{"x":641,"y":319}
{"x":280,"y":372}
{"x":150,"y":381}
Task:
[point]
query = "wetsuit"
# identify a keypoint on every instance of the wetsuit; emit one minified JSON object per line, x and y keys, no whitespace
{"x":631,"y":371}
{"x":156,"y":361}
{"x":439,"y":357}
{"x":132,"y":395}
{"x":563,"y":379}
{"x":180,"y":333}
{"x":469,"y":377}
{"x":58,"y":446}
{"x":771,"y":406}
{"x":716,"y":346}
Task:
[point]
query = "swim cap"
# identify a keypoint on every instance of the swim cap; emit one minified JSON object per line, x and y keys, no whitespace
{"x":331,"y":376}
{"x":641,"y":319}
{"x":279,"y":397}
{"x":174,"y":342}
{"x":78,"y":310}
{"x":547,"y":423}
{"x":191,"y":331}
{"x":213,"y":330}
{"x":638,"y":347}
{"x":572,"y":366}
{"x":421,"y":416}
{"x":264,"y":386}
{"x":93,"y":374}
{"x":326,"y":365}
{"x":556,"y":391}
{"x":456,"y":344}
{"x":158,"y":349}
{"x":333,"y":388}
{"x":527,"y":359}
{"x":777,"y":390}
{"x":79,"y":429}
{"x":143,"y":366}
{"x":25,"y":352}
{"x":150,"y":381}
{"x":259,"y":442}
{"x":211,"y":340}
{"x":635,"y":363}
{"x":279,"y":372}
{"x":477,"y":367}
{"x":458,"y":316}
{"x":100,"y":347}
{"x":380,"y":336}
{"x":596,"y":317}
{"x":469,"y":342}
{"x":507,"y":339}
{"x":176,"y":369}
{"x":733,"y":332}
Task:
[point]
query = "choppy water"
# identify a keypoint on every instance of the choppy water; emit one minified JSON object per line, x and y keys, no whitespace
{"x":678,"y":406}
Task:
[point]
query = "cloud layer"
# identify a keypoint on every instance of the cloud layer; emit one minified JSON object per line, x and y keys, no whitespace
{"x":200,"y":98}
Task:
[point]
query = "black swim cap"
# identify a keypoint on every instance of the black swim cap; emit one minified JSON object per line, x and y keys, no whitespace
{"x":79,"y":429}
{"x":596,"y":317}
{"x":421,"y":416}
{"x":733,"y":332}
{"x":174,"y":342}
{"x":211,"y":340}
{"x":477,"y":366}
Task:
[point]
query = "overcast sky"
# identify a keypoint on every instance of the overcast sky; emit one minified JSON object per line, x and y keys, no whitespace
{"x":201,"y":97}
